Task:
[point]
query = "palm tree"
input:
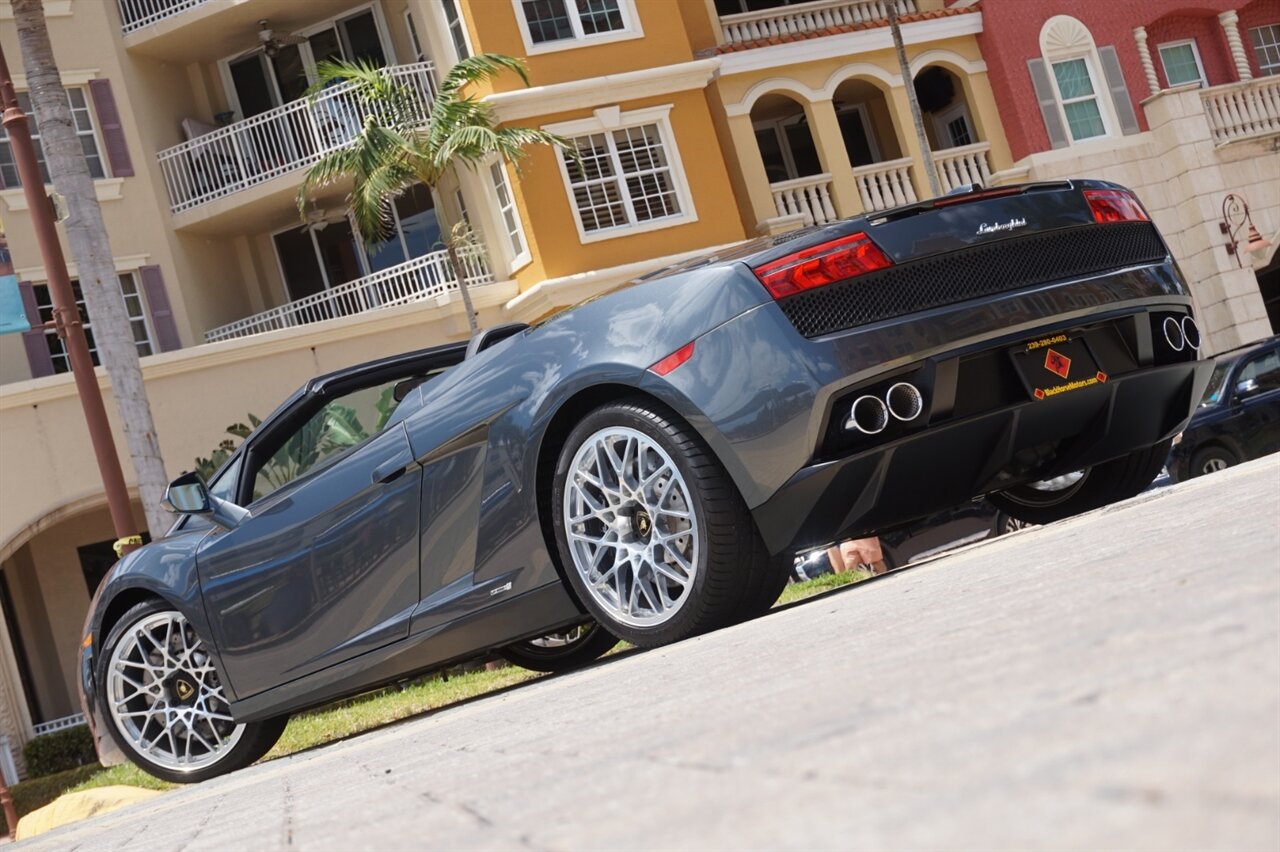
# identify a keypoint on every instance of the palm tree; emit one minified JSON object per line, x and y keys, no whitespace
{"x":87,"y":237}
{"x":397,"y":148}
{"x":930,"y":170}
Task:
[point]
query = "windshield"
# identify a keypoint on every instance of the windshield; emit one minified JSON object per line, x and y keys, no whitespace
{"x":1217,"y":388}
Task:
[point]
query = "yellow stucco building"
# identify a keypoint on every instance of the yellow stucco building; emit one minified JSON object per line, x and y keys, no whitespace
{"x":698,"y":124}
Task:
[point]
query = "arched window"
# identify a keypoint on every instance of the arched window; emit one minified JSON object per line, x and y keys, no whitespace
{"x":1080,"y":86}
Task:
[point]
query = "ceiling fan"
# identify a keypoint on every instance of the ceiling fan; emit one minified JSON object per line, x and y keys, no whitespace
{"x":272,"y":41}
{"x":317,"y":220}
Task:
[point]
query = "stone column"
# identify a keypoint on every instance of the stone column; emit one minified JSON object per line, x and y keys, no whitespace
{"x":1230,"y":21}
{"x":1144,"y":55}
{"x":754,"y":177}
{"x":829,"y":141}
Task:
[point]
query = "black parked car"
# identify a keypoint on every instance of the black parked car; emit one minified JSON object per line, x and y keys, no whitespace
{"x":1239,"y":417}
{"x":648,"y":461}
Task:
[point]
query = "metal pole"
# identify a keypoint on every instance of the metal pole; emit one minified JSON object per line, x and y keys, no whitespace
{"x":926,"y":153}
{"x":66,"y":315}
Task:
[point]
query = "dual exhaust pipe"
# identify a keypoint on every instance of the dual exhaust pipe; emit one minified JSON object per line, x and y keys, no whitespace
{"x":870,"y":414}
{"x":1181,"y":334}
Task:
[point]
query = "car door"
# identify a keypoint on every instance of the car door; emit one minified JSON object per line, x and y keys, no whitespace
{"x":1258,"y":424}
{"x":326,"y":568}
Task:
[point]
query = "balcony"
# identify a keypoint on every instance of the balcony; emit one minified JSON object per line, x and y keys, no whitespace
{"x":967,"y":164}
{"x":797,"y":18}
{"x":282,"y":140}
{"x":885,"y":185}
{"x":417,"y":280}
{"x":1238,"y":112}
{"x":806,"y":197}
{"x":136,"y":14}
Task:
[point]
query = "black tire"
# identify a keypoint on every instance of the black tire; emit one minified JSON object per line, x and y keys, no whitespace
{"x":1101,"y":485}
{"x":728,"y":581}
{"x":1211,"y":460}
{"x":766,"y":580}
{"x":1006,"y":524}
{"x":255,"y":739}
{"x":540,"y":656}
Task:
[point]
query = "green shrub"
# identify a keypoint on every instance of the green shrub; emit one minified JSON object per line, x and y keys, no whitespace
{"x":59,"y":751}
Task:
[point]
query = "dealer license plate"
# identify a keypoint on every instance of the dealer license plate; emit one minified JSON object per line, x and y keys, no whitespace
{"x":1057,"y":364}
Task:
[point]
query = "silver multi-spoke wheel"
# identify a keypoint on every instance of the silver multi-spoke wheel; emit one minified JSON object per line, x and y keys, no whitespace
{"x":630,"y":526}
{"x":165,"y":696}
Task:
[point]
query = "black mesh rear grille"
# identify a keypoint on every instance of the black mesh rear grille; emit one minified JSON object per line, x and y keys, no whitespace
{"x":972,"y":273}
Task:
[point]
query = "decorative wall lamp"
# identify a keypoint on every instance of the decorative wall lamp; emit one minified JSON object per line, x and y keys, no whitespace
{"x":1235,"y":215}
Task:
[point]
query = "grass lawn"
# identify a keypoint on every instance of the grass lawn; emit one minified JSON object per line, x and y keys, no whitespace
{"x":825,"y":583}
{"x":337,"y":721}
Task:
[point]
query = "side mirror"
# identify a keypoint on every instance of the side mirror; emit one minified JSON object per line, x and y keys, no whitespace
{"x":1247,"y":388}
{"x":188,"y":495}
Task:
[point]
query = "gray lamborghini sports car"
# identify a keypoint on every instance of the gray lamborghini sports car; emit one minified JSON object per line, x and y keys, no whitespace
{"x":644,"y":466}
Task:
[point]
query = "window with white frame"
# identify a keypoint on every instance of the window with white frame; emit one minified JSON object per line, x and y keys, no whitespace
{"x":624,"y":178}
{"x":81,"y":119}
{"x":134,"y":307}
{"x":1266,"y":48}
{"x":457,"y":28}
{"x":1078,"y":94}
{"x":562,"y":22}
{"x":1181,"y":61}
{"x":507,"y":207}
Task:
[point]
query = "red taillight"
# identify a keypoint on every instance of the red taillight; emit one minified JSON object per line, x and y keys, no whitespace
{"x":1114,"y":205}
{"x":675,"y":359}
{"x":817,"y":266}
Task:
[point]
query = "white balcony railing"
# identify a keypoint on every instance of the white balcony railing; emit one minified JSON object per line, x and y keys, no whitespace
{"x":806,"y":18}
{"x":807,"y":196}
{"x":136,"y":14}
{"x":885,"y":185}
{"x":73,"y":721}
{"x":418,"y":279}
{"x":272,"y":143}
{"x":1243,"y":110}
{"x":963,"y":165}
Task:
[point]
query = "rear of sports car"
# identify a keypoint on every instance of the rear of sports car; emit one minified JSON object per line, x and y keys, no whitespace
{"x":908,"y":361}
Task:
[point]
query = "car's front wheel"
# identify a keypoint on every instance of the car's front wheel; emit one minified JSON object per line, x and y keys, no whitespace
{"x":563,"y":651}
{"x":653,"y":536}
{"x":1081,"y":491}
{"x":164,"y":704}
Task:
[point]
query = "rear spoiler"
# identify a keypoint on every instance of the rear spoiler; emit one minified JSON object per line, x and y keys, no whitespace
{"x":966,"y":194}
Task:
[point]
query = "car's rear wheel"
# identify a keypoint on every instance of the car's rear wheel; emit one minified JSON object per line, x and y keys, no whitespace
{"x":561,"y":652}
{"x":164,"y":704}
{"x":1212,"y":460}
{"x":1082,"y":491}
{"x":653,"y":536}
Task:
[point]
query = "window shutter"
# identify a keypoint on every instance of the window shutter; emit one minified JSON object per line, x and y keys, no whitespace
{"x":1048,"y":100}
{"x":104,"y":104}
{"x":162,"y":322}
{"x":35,"y":341}
{"x":1119,"y":91}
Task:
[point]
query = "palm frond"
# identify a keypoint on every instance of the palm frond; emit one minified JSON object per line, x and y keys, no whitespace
{"x":482,"y":67}
{"x":393,"y":150}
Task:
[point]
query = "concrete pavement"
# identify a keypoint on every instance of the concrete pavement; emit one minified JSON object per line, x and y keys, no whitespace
{"x":1112,"y":681}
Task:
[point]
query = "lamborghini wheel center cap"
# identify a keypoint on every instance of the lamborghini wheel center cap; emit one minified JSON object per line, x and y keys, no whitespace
{"x":182,"y":689}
